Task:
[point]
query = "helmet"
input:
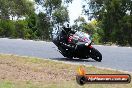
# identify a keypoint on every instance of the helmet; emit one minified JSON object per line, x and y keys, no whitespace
{"x":66,"y":27}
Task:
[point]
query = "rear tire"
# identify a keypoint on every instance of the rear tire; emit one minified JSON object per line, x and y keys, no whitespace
{"x":96,"y":55}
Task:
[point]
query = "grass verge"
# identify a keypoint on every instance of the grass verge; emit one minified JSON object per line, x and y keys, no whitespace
{"x":27,"y":72}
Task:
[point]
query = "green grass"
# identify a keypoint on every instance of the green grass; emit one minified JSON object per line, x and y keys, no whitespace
{"x":28,"y":72}
{"x":70,"y":84}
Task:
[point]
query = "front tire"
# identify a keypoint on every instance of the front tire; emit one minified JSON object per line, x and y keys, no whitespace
{"x":96,"y":55}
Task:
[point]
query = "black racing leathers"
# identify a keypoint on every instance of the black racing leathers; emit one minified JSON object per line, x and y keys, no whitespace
{"x":64,"y":40}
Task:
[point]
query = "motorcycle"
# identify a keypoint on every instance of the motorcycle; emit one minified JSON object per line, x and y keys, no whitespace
{"x":82,"y":43}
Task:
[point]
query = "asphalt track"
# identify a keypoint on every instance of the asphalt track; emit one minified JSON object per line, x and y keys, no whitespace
{"x":114,"y":57}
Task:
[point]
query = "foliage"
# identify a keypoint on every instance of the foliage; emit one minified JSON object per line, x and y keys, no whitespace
{"x":6,"y":28}
{"x":113,"y":15}
{"x":43,"y":26}
{"x":111,"y":19}
{"x":30,"y":26}
{"x":31,"y":20}
{"x":92,"y":29}
{"x":15,"y":8}
{"x":60,"y":15}
{"x":79,"y":23}
{"x":56,"y":11}
{"x":21,"y":30}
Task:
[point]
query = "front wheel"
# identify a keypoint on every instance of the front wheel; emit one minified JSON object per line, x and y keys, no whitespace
{"x":95,"y":54}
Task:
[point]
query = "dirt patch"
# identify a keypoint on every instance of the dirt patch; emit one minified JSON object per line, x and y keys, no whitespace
{"x":25,"y":72}
{"x":22,"y":69}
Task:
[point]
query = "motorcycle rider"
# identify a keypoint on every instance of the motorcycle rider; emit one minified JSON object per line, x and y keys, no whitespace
{"x":66,"y":31}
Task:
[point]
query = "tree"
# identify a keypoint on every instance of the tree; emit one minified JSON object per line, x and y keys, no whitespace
{"x":43,"y":26}
{"x":49,"y":5}
{"x":92,"y":29}
{"x":56,"y":11}
{"x":15,"y":8}
{"x":32,"y":25}
{"x":6,"y":28}
{"x":60,"y":15}
{"x":112,"y":14}
{"x":10,"y":12}
{"x":21,"y":29}
{"x":79,"y":22}
{"x":4,"y":13}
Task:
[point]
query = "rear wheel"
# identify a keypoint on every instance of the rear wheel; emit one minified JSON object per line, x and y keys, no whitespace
{"x":96,"y":55}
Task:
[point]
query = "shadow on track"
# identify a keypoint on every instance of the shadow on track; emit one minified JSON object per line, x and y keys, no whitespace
{"x":73,"y":60}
